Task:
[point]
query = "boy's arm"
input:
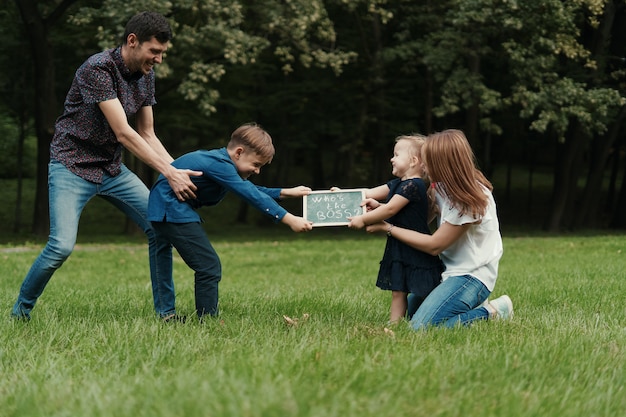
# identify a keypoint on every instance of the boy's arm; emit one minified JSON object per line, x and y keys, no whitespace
{"x":299,"y":191}
{"x":297,"y":224}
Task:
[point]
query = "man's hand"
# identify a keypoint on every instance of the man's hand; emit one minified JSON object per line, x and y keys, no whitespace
{"x":297,"y":224}
{"x":180,"y":181}
{"x":298,"y":191}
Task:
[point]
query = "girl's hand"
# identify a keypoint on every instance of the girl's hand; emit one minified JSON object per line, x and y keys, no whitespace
{"x":370,"y":204}
{"x":356,"y":222}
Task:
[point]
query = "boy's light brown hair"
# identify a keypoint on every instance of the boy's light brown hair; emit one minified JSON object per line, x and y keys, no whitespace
{"x":253,"y":137}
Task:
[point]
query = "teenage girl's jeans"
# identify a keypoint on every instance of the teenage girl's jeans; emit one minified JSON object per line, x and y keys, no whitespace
{"x":455,"y":301}
{"x":194,"y":247}
{"x":68,"y":195}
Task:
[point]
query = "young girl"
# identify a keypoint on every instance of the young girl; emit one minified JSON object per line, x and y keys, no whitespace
{"x":403,"y":269}
{"x":467,"y":240}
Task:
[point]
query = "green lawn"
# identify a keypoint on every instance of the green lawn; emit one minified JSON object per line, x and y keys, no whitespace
{"x":94,"y":347}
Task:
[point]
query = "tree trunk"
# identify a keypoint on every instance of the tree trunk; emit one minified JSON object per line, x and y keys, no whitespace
{"x":615,"y":168}
{"x":565,"y":178}
{"x":428,"y":104}
{"x":19,"y":173}
{"x":619,"y":221}
{"x":591,"y":201}
{"x":37,"y":30}
{"x":588,"y":214}
{"x":473,"y":113}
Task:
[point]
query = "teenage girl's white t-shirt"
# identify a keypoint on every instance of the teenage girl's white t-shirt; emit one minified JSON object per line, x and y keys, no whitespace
{"x":479,"y":250}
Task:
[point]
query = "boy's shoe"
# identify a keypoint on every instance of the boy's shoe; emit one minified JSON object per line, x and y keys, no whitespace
{"x":501,"y":308}
{"x":17,"y":313}
{"x":20,"y":317}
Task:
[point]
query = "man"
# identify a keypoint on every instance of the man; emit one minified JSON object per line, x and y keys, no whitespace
{"x":86,"y":155}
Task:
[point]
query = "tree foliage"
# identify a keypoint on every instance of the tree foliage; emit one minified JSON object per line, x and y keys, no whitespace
{"x":335,"y":81}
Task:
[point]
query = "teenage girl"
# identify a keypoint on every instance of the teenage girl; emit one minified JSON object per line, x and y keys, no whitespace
{"x":467,"y":239}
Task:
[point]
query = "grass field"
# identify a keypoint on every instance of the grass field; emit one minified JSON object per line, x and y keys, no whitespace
{"x":94,"y":347}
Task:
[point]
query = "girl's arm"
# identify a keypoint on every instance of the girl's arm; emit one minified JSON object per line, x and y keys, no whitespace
{"x":380,"y":213}
{"x":433,"y":244}
{"x":377,"y":193}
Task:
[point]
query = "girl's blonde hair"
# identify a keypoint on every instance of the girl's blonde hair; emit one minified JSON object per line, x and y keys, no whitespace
{"x":253,"y":137}
{"x":452,"y":167}
{"x":416,"y":143}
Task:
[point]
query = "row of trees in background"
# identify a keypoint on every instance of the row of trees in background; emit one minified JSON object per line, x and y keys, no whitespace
{"x":532,"y":82}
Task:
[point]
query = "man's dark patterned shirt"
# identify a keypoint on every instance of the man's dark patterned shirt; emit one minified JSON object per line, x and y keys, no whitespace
{"x":83,"y":140}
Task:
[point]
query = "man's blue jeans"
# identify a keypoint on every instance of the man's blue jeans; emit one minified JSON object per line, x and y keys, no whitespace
{"x":68,"y":195}
{"x":456,"y":301}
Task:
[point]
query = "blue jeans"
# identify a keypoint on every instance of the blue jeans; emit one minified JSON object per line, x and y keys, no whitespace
{"x":68,"y":195}
{"x":454,"y":302}
{"x":196,"y":250}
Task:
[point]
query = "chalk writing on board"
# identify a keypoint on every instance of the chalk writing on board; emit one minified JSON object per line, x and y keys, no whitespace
{"x":333,"y":208}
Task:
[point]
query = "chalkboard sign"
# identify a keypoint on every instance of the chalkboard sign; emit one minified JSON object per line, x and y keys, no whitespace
{"x":332,"y":208}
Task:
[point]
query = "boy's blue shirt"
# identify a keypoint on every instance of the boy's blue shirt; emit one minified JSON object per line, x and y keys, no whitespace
{"x":219,"y":175}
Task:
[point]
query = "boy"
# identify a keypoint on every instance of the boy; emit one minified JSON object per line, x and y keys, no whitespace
{"x":225,"y":169}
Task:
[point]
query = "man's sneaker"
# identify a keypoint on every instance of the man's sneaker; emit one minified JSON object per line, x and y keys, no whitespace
{"x":501,"y":308}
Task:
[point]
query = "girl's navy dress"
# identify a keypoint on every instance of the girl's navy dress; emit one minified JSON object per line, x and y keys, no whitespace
{"x":402,"y":267}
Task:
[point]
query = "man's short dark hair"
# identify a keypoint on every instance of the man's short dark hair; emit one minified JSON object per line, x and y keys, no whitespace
{"x":147,"y":25}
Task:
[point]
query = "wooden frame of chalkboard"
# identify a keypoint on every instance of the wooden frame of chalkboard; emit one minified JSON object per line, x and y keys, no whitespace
{"x":332,"y":208}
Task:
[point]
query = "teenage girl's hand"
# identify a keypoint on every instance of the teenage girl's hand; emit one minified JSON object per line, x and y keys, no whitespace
{"x":381,"y":227}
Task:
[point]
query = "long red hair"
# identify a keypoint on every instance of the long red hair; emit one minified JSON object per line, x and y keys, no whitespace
{"x":451,"y":165}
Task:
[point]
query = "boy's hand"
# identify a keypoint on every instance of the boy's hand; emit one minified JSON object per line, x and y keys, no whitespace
{"x":297,"y":224}
{"x":333,"y":189}
{"x":356,"y":222}
{"x":298,"y":191}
